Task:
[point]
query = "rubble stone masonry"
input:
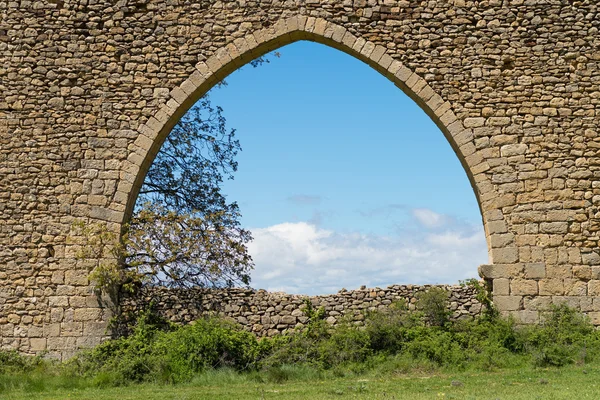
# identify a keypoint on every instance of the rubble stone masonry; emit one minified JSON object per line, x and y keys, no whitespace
{"x":273,"y":313}
{"x":89,"y":89}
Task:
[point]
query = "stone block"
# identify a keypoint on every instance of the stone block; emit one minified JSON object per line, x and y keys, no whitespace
{"x":583,"y":272}
{"x":494,"y":271}
{"x":586,"y":304}
{"x":76,"y":277}
{"x":510,"y":150}
{"x":386,"y":61}
{"x":58,"y":277}
{"x":501,"y":287}
{"x":358,"y":45}
{"x":501,"y":240}
{"x":523,"y":287}
{"x":57,"y":314}
{"x":77,"y":301}
{"x":92,"y":301}
{"x":71,"y":328}
{"x":559,"y":271}
{"x":551,"y":286}
{"x":498,"y":121}
{"x":554,"y":227}
{"x":535,"y":270}
{"x":65,"y":290}
{"x":338,"y":34}
{"x":61,"y":343}
{"x":349,"y":40}
{"x":474,"y":122}
{"x":93,"y":328}
{"x":496,"y":227}
{"x":593,"y":287}
{"x":58,"y":301}
{"x":51,"y":330}
{"x":56,"y":343}
{"x":571,"y":301}
{"x":537,"y":303}
{"x":86,"y":314}
{"x":87,"y":342}
{"x":508,"y":303}
{"x":508,"y":255}
{"x":36,"y":331}
{"x":37,"y":344}
{"x":575,"y":287}
{"x":288,"y":320}
{"x":595,"y":302}
{"x":590,"y":258}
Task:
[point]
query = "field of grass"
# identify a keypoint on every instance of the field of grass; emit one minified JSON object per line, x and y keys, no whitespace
{"x":570,"y":382}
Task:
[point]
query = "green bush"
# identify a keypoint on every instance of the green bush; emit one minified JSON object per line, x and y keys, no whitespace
{"x":347,"y":344}
{"x":389,"y":329}
{"x":207,"y":343}
{"x":565,"y":336}
{"x":127,"y":359}
{"x":13,"y":362}
{"x":433,"y":303}
{"x":437,"y":346}
{"x":161,"y":352}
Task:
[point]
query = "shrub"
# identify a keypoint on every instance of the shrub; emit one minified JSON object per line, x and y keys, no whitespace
{"x":564,"y":337}
{"x":207,"y":343}
{"x":436,"y":345}
{"x":125,"y":359}
{"x":388,"y":329}
{"x":347,"y":344}
{"x":157,"y":351}
{"x":433,"y":303}
{"x":13,"y":362}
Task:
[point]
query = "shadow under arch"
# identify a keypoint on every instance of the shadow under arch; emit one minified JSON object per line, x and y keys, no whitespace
{"x":236,"y":54}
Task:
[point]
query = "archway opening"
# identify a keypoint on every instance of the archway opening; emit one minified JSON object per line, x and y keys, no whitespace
{"x":228,"y":60}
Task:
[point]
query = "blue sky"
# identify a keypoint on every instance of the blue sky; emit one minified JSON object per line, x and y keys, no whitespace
{"x":343,"y":179}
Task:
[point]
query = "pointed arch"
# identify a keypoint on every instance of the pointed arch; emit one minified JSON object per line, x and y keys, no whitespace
{"x":240,"y":51}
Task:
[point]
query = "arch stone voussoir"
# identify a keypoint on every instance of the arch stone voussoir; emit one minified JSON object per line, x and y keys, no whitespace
{"x":76,"y":140}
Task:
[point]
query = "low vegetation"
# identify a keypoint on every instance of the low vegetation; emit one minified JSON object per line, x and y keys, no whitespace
{"x":391,"y":343}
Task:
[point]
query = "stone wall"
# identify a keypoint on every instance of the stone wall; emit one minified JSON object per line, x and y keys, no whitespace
{"x":90,"y":89}
{"x":271,"y":313}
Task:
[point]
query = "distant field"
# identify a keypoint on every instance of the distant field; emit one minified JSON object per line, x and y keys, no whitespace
{"x":571,"y":382}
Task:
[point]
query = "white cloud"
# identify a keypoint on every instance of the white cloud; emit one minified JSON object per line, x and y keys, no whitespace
{"x":428,"y":218}
{"x":303,"y":258}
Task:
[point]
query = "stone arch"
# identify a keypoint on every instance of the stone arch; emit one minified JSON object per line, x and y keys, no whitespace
{"x":76,"y":139}
{"x":243,"y":50}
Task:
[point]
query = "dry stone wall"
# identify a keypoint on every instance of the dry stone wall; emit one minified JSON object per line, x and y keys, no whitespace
{"x":91,"y":88}
{"x":272,"y":313}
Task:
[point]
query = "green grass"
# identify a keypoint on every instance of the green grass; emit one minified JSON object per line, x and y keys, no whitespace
{"x":569,"y":382}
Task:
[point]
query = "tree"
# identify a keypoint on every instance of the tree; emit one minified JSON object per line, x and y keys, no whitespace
{"x":183,"y":231}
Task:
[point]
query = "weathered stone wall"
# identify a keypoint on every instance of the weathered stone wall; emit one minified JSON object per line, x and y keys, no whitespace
{"x":90,"y":89}
{"x":272,"y":313}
